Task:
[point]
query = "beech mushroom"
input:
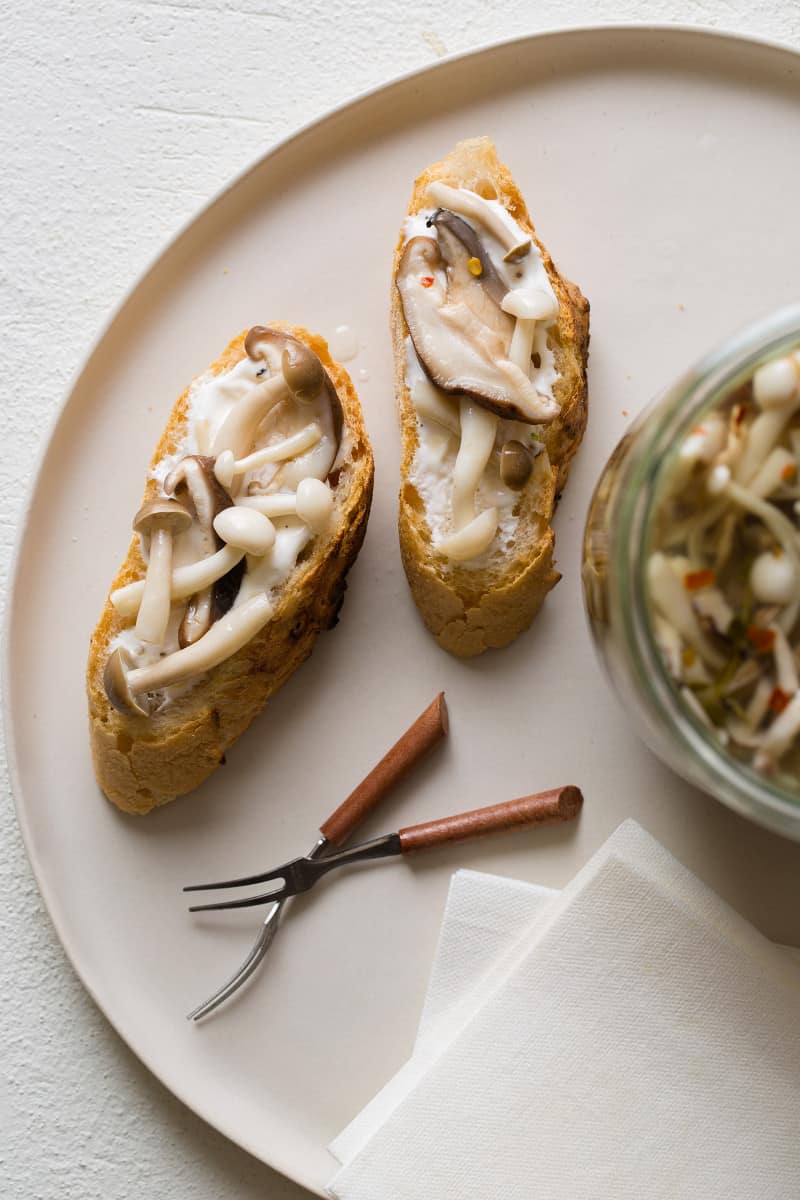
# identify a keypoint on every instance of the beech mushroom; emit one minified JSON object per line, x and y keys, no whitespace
{"x":298,"y":376}
{"x":306,"y":377}
{"x":516,"y":464}
{"x":528,"y":307}
{"x":159,"y":520}
{"x":246,"y":529}
{"x":493,"y":217}
{"x":125,"y":684}
{"x":184,"y":582}
{"x":472,"y":540}
{"x":312,"y":503}
{"x":430,"y":403}
{"x":457,"y":348}
{"x":478,"y":432}
{"x":194,"y":476}
{"x":227,"y":468}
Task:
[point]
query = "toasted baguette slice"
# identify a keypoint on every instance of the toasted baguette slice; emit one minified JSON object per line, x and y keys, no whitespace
{"x":141,"y":762}
{"x":470,"y":609}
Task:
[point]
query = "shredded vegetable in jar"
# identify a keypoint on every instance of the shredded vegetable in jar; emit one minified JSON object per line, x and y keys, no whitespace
{"x":723,"y":572}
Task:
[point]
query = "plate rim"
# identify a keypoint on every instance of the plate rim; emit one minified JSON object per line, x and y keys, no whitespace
{"x":276,"y":1159}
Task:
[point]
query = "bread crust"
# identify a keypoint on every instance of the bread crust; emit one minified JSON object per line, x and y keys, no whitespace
{"x":142,"y":762}
{"x":467,"y":610}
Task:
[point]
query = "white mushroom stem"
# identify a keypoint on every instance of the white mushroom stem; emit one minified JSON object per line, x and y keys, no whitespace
{"x":237,"y":431}
{"x":780,"y":735}
{"x":785,"y":664}
{"x":224,"y":638}
{"x":184,"y":580}
{"x":691,"y":702}
{"x":472,"y":540}
{"x":432,"y":404}
{"x":759,"y":703}
{"x":492,"y":216}
{"x":478,"y":433}
{"x":705,"y":442}
{"x":762,"y":438}
{"x":772,"y":473}
{"x":711,"y":603}
{"x":521,"y":346}
{"x":153,"y":612}
{"x":669,"y":643}
{"x":780,"y":526}
{"x":227,"y":468}
{"x":312,"y":503}
{"x":671,"y":600}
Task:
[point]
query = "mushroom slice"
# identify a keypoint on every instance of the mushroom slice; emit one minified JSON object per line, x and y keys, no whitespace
{"x":194,"y":477}
{"x":471,"y":274}
{"x":458,"y":351}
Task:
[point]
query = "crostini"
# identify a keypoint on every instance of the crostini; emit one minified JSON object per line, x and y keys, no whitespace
{"x":255,"y":508}
{"x":490,"y":350}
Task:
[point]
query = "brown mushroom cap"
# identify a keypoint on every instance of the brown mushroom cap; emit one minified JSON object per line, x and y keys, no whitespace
{"x":302,"y":370}
{"x":115,"y":682}
{"x":162,"y":514}
{"x":252,"y":341}
{"x":516,"y":464}
{"x":194,"y":475}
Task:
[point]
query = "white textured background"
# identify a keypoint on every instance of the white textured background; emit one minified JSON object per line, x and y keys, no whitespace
{"x":117,"y":121}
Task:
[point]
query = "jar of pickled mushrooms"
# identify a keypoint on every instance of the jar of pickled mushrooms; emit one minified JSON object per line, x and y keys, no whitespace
{"x":691,"y":573}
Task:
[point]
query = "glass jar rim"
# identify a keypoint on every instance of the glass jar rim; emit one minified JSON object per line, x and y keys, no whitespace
{"x":660,"y":428}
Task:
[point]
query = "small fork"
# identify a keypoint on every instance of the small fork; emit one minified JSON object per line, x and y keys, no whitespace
{"x":301,"y":874}
{"x":426,"y":732}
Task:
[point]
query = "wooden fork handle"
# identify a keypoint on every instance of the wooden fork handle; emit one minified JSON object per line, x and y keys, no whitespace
{"x":545,"y":808}
{"x":427,"y":730}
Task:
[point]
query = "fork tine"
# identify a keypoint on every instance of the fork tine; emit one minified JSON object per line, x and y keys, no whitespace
{"x":245,"y":881}
{"x":251,"y":963}
{"x":245,"y":901}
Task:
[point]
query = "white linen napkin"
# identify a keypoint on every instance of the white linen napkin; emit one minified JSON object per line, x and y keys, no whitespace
{"x":641,"y":1040}
{"x":484,"y":917}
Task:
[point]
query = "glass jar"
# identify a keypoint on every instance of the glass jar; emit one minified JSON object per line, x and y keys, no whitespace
{"x":615,"y":550}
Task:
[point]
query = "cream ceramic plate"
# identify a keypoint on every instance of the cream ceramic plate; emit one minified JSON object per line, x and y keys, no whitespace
{"x":661,"y":169}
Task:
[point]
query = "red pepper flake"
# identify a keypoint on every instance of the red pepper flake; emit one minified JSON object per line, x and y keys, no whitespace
{"x":739,"y":414}
{"x":778,"y":700}
{"x":789,"y":472}
{"x":762,"y":640}
{"x":427,"y":281}
{"x":695,"y":580}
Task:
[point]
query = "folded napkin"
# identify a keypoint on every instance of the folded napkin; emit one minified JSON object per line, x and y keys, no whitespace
{"x":629,"y":1037}
{"x":484,"y":917}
